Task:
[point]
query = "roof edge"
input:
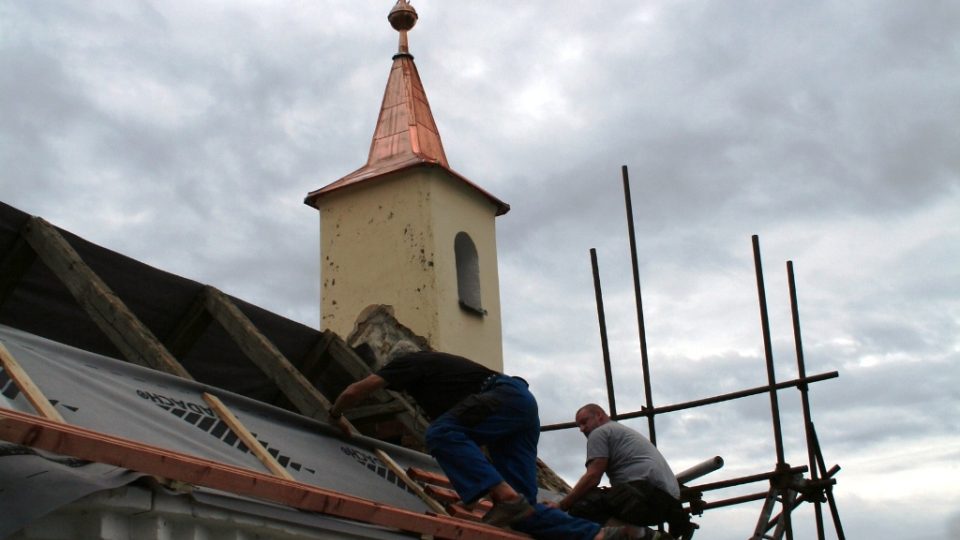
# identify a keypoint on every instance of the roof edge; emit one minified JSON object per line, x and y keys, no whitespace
{"x":368,"y":173}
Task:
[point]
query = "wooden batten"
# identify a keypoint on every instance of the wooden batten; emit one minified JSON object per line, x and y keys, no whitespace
{"x":244,"y":434}
{"x":27,"y":386}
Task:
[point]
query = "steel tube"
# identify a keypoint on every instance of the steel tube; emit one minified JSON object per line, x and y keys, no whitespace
{"x":706,"y":401}
{"x":788,"y":471}
{"x":644,"y":361}
{"x":768,"y":352}
{"x":700,"y":469}
{"x":834,"y":511}
{"x":734,"y":500}
{"x":603,"y":332}
{"x":804,"y":394}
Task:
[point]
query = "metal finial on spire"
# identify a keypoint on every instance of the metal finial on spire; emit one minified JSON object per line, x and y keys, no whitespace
{"x":402,"y":18}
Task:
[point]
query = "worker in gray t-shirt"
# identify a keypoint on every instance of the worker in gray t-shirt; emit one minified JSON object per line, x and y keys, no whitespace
{"x":643,"y":489}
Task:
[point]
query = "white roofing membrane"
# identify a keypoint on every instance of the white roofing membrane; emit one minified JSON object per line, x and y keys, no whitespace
{"x":147,"y":406}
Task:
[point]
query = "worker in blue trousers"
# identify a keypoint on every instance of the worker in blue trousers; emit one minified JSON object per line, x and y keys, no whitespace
{"x":471,"y":406}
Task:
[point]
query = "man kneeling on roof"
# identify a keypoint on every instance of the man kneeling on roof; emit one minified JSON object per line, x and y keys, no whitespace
{"x":643,"y":489}
{"x":469,"y":406}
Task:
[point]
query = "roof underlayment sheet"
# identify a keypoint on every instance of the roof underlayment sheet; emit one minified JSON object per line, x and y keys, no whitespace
{"x":117,"y":398}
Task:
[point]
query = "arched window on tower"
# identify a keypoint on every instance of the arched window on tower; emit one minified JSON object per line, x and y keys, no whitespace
{"x":468,"y":274}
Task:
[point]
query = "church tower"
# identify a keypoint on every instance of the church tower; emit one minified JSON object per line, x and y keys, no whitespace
{"x":406,"y":230}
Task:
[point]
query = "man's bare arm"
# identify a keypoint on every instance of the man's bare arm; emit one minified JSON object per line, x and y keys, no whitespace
{"x":590,"y":479}
{"x":356,"y":392}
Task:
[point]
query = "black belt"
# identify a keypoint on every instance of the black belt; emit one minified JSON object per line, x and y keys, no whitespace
{"x":492,"y":381}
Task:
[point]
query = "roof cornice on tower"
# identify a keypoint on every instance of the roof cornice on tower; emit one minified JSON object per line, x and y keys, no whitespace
{"x":406,"y":134}
{"x":405,"y":127}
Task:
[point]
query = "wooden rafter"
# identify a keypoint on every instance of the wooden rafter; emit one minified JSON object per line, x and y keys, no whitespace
{"x":37,"y":432}
{"x":265,"y":355}
{"x":130,"y":336}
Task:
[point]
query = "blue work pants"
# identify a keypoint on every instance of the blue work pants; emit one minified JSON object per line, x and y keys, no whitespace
{"x":504,"y":418}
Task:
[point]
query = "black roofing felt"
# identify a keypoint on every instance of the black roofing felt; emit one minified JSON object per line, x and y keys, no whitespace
{"x":41,"y":305}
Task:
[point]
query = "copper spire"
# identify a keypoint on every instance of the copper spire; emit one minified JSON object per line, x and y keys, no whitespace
{"x":405,"y":128}
{"x":406,"y":134}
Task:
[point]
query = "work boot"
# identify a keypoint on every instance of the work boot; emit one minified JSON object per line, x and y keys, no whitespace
{"x":505,"y":513}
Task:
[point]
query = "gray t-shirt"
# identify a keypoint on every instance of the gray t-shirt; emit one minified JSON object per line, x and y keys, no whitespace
{"x":630,"y":456}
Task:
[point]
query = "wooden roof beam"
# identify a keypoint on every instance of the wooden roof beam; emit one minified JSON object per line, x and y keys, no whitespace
{"x":266,"y":356}
{"x":130,"y":336}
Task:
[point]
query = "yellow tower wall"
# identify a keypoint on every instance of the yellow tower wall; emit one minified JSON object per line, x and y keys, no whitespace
{"x":391,"y":241}
{"x":376,"y":248}
{"x":456,"y":208}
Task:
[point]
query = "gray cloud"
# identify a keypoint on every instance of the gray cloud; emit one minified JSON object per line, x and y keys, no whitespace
{"x":187,"y":135}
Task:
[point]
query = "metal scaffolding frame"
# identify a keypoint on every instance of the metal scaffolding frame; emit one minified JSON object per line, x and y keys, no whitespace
{"x":787,"y":485}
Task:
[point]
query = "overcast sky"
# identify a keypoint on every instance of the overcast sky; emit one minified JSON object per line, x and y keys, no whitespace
{"x":186,"y":135}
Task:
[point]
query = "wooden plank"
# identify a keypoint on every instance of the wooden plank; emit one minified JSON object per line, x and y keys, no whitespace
{"x":441,"y":494}
{"x":248,"y":439}
{"x":415,"y":487}
{"x":265,"y":355}
{"x":462,"y":512}
{"x":27,"y":386}
{"x":191,"y":327}
{"x":64,"y":439}
{"x":428,"y":477}
{"x":14,"y":265}
{"x":130,"y":336}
